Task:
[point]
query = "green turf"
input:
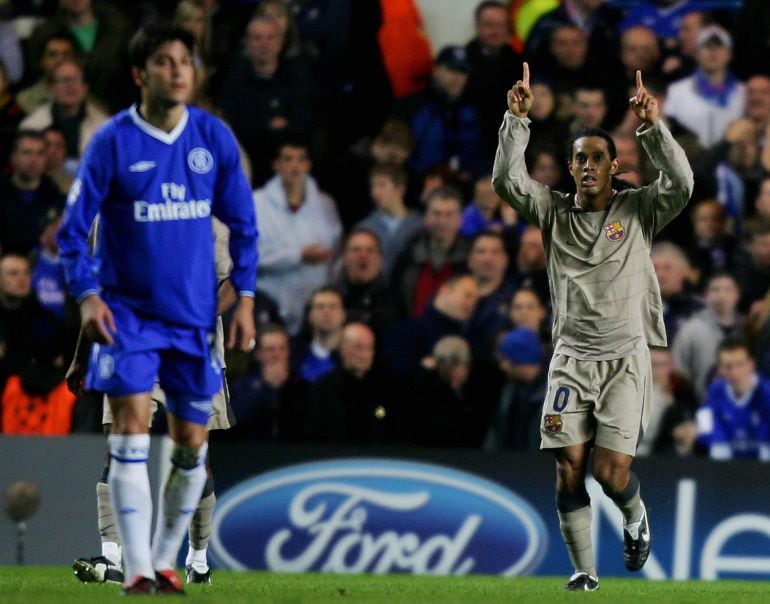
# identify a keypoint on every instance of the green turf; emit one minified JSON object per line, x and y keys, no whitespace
{"x":33,"y":584}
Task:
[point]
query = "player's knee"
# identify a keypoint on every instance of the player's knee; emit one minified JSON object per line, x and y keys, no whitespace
{"x":612,"y":478}
{"x":570,"y":476}
{"x":188,"y":457}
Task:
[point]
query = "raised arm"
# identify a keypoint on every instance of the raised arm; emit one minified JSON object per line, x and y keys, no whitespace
{"x":643,"y":104}
{"x":510,"y":178}
{"x":672,"y":189}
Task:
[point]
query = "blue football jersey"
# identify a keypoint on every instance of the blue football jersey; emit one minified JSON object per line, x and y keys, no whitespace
{"x":48,"y":283}
{"x":155,"y":193}
{"x":665,"y":22}
{"x":736,"y":429}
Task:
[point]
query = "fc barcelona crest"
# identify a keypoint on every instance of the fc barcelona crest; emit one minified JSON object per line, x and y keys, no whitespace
{"x":552,"y":423}
{"x":614,"y":231}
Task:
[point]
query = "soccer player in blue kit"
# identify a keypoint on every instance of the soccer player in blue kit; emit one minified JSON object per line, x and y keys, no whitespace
{"x":155,"y":174}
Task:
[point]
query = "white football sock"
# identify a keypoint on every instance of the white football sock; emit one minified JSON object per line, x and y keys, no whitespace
{"x":181,"y":494}
{"x":131,"y":501}
{"x":111,"y":551}
{"x":197,"y":559}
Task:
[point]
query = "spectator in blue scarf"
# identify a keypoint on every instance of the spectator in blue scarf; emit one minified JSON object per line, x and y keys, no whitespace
{"x":709,"y":100}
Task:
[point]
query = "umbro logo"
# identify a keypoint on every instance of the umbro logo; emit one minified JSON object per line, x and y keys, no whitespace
{"x":201,"y":405}
{"x":142,"y":166}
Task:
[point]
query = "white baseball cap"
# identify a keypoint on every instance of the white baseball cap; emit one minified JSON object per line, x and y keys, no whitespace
{"x":715,"y":33}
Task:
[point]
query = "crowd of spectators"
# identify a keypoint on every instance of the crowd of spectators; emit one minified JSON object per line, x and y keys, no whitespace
{"x":399,"y":300}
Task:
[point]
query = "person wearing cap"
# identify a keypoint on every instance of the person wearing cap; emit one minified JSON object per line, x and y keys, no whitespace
{"x":679,"y":60}
{"x":516,"y":425}
{"x":706,"y":102}
{"x":607,"y":312}
{"x":444,"y":124}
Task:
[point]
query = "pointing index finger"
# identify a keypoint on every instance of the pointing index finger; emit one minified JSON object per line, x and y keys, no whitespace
{"x":526,"y":74}
{"x":639,"y":79}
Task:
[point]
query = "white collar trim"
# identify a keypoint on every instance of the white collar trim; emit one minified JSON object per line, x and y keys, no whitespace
{"x":742,"y":401}
{"x":163,"y":136}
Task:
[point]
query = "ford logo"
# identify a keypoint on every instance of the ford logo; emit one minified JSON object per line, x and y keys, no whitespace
{"x":376,"y":516}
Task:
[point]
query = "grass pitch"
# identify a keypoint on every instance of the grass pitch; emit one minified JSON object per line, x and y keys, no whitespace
{"x":30,"y":585}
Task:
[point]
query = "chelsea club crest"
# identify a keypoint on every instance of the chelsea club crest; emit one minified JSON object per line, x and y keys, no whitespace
{"x":200,"y":160}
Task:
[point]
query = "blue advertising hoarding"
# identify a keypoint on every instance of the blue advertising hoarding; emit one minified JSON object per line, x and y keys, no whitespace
{"x":297,"y":509}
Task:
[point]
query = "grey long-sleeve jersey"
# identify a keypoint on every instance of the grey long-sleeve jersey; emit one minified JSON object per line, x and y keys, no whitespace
{"x":605,"y":296}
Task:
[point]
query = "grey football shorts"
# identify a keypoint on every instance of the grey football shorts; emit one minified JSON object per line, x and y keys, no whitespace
{"x":604,"y":401}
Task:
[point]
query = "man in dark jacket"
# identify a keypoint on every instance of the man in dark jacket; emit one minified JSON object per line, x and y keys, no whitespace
{"x":492,"y":61}
{"x":33,"y":343}
{"x":365,"y":291}
{"x":267,"y":97}
{"x":27,"y":195}
{"x":351,"y":404}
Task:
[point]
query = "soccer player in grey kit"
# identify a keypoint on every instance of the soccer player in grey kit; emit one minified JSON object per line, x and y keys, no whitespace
{"x":607,"y":312}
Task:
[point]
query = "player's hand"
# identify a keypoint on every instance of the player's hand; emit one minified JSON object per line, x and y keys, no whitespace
{"x":242,"y":332}
{"x":75,"y":377}
{"x":76,"y":372}
{"x":643,"y":104}
{"x":97,"y":320}
{"x":520,"y":96}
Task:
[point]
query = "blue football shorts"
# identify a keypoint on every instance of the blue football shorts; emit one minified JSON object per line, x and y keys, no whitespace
{"x":183,"y":359}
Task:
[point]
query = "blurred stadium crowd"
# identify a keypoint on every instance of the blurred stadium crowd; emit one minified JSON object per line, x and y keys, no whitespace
{"x":399,"y":301}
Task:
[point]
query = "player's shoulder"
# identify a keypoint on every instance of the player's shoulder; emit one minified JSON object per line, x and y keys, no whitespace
{"x":120,"y":121}
{"x":561,"y":201}
{"x":205,"y":119}
{"x":210,"y":126}
{"x":631,"y":196}
{"x":114,"y":128}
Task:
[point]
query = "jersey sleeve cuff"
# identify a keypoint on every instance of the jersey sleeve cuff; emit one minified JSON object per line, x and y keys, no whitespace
{"x":644,"y":128}
{"x":83,"y":295}
{"x":246,"y":294}
{"x":510,"y":117}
